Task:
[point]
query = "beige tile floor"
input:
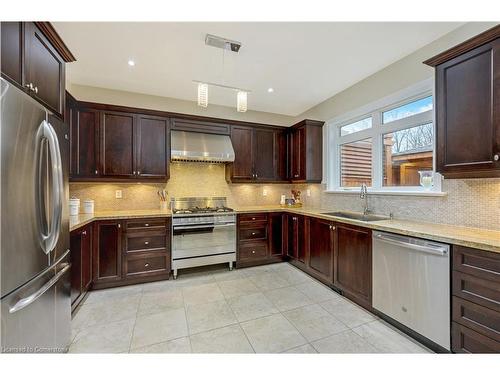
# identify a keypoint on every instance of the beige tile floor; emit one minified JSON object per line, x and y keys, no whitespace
{"x":268,"y":309}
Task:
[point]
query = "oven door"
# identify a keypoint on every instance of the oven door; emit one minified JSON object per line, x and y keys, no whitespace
{"x":192,"y":241}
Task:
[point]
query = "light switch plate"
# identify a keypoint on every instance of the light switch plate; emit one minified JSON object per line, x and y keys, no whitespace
{"x":308,"y":192}
{"x":118,"y":194}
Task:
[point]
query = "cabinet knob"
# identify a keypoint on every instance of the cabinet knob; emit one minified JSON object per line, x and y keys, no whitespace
{"x":296,"y":176}
{"x":253,"y":218}
{"x":146,"y":265}
{"x":294,"y":218}
{"x":84,"y":232}
{"x":496,"y":157}
{"x":253,"y":233}
{"x":146,"y":225}
{"x":253,"y":251}
{"x":96,"y":171}
{"x":146,"y":242}
{"x":119,"y":225}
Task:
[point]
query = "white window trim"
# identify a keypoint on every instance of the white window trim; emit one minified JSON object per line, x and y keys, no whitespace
{"x":333,"y":140}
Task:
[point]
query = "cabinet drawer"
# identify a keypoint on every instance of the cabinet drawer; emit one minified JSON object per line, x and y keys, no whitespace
{"x":252,"y":218}
{"x":475,"y":262}
{"x":476,"y":317}
{"x":154,"y":223}
{"x":257,"y":233}
{"x":134,"y":244}
{"x":254,"y":251}
{"x":483,"y":292}
{"x":136,"y":266}
{"x":465,"y":340}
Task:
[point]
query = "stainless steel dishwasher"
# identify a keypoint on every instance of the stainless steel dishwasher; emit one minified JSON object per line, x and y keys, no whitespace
{"x":411,"y":284}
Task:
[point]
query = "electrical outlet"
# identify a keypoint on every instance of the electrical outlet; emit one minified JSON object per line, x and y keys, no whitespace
{"x":264,"y":193}
{"x":308,"y":192}
{"x":118,"y":194}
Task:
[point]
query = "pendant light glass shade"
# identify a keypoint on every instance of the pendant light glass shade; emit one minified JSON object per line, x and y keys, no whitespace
{"x":241,"y":103}
{"x":203,"y":95}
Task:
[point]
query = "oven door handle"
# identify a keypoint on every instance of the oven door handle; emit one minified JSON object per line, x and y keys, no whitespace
{"x":214,"y":226}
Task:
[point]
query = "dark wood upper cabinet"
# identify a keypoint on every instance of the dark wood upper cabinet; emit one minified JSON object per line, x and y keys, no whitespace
{"x":84,"y":140}
{"x":153,"y":150}
{"x":242,"y":167}
{"x":305,"y":151}
{"x":43,"y":68}
{"x":468,"y":108}
{"x":259,"y":154}
{"x":321,"y":249}
{"x":34,"y":57}
{"x":353,"y":263}
{"x":12,"y":51}
{"x":117,"y":144}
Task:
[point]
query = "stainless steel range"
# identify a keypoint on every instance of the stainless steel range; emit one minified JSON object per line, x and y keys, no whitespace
{"x":203,"y":232}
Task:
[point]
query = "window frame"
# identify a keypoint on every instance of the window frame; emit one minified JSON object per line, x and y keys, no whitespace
{"x":375,"y":110}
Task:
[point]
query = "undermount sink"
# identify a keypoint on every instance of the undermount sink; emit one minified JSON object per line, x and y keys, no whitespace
{"x":357,"y":216}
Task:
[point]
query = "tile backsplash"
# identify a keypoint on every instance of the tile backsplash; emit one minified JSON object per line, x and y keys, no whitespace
{"x":473,"y":202}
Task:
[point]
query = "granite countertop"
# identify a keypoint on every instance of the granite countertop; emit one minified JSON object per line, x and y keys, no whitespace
{"x":79,"y":221}
{"x":478,"y":238}
{"x":466,"y":236}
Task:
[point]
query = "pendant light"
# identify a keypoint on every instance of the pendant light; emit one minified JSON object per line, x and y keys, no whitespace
{"x":241,"y":101}
{"x":202,"y":94}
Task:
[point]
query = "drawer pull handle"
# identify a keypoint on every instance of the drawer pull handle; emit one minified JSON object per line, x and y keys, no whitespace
{"x":253,"y":233}
{"x":146,"y":225}
{"x":146,"y":265}
{"x":146,"y":242}
{"x":253,"y":218}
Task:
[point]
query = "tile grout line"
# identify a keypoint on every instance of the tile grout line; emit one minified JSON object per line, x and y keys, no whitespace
{"x":239,"y":325}
{"x":135,"y":322}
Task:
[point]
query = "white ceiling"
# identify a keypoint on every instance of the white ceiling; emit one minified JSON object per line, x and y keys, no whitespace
{"x":305,"y":63}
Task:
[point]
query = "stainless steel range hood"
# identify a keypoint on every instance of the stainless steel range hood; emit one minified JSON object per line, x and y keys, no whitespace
{"x":201,"y":147}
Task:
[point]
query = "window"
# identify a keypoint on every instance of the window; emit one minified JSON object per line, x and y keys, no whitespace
{"x":386,"y":145}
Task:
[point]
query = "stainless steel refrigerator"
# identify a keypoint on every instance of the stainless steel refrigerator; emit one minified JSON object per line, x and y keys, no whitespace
{"x":34,"y":236}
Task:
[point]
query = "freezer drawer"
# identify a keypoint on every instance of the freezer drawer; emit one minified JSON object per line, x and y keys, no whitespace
{"x":35,"y":317}
{"x":411,"y":284}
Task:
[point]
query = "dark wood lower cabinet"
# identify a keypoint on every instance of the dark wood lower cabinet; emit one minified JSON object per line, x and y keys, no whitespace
{"x":353,"y":263}
{"x":296,"y":235}
{"x":475,"y":301}
{"x":131,"y":251}
{"x":81,"y":264}
{"x":320,"y":238}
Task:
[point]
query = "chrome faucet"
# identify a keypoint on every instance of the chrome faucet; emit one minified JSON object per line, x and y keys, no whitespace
{"x":364,"y":195}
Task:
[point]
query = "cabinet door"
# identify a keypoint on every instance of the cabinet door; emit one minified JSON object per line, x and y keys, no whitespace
{"x":296,"y":237}
{"x":117,"y":134}
{"x":468,"y":113}
{"x":321,"y":249}
{"x":43,"y":68}
{"x":12,"y":49}
{"x":84,"y":141}
{"x":265,"y":154}
{"x":242,"y":139}
{"x":301,"y":238}
{"x":86,"y":248}
{"x":353,"y":263}
{"x":276,"y":234}
{"x":297,"y":148}
{"x":76,"y":265}
{"x":153,"y":150}
{"x":107,"y":265}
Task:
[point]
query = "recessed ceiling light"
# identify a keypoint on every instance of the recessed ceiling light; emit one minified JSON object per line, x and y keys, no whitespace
{"x":131,"y":62}
{"x":270,"y":89}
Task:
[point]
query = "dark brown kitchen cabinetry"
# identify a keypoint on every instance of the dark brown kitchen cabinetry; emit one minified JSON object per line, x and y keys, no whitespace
{"x":305,"y":151}
{"x":475,"y":301}
{"x":353,"y":263}
{"x":296,"y":235}
{"x":34,"y":57}
{"x":259,"y":155}
{"x":153,"y":138}
{"x":81,"y":264}
{"x":468,"y":107}
{"x":84,"y":140}
{"x":260,"y":239}
{"x":321,"y":236}
{"x":117,"y":144}
{"x":107,"y":257}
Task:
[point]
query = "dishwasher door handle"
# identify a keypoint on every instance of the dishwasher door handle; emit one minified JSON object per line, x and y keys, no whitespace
{"x":436,"y":250}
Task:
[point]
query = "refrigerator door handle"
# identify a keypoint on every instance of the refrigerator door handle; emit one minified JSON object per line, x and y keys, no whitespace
{"x":49,"y":240}
{"x":24,"y":302}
